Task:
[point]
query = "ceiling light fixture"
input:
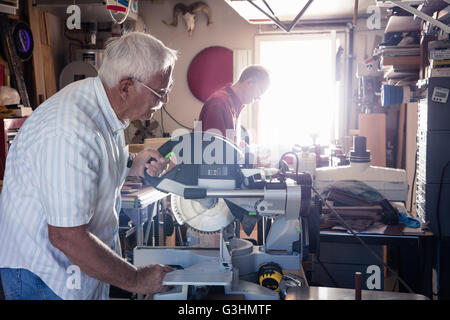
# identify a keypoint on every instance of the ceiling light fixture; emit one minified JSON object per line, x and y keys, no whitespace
{"x":272,"y":16}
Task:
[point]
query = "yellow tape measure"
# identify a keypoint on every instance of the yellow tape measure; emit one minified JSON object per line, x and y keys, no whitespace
{"x":270,"y":275}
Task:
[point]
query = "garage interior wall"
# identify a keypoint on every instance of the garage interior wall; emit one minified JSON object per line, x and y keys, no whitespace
{"x":229,"y":30}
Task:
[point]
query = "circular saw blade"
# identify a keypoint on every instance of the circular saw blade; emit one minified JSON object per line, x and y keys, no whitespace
{"x":206,"y":215}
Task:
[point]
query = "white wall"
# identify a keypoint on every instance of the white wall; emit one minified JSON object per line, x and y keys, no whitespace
{"x":228,"y":30}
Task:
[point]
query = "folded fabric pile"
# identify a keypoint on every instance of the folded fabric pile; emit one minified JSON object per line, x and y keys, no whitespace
{"x":359,"y":205}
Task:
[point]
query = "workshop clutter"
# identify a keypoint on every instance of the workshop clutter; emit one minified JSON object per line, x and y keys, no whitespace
{"x":9,"y":97}
{"x":398,"y":56}
{"x":10,"y":104}
{"x":359,"y":205}
{"x":439,"y":58}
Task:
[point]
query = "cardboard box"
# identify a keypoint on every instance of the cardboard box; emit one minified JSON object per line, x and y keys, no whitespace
{"x":402,"y":62}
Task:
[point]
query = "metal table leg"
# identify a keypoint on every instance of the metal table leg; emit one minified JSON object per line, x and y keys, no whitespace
{"x":139,"y":229}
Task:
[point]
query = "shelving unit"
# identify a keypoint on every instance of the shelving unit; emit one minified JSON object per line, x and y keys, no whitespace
{"x":432,"y":130}
{"x":423,"y":11}
{"x":9,"y":6}
{"x":399,"y":56}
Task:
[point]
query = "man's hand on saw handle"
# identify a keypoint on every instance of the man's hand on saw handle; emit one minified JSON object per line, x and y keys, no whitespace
{"x":149,"y":279}
{"x":154,"y":168}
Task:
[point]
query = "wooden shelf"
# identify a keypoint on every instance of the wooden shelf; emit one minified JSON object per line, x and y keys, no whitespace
{"x":424,"y":11}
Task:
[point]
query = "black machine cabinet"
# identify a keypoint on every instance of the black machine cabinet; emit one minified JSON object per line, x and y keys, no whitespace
{"x":433,"y":174}
{"x":433,"y":158}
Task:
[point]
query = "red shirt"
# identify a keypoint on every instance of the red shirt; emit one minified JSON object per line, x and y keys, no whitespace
{"x":221,"y":111}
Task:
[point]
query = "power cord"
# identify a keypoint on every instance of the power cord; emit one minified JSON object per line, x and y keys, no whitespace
{"x":162,"y":122}
{"x":341,"y":220}
{"x":438,"y":215}
{"x":413,"y":181}
{"x":327,"y":272}
{"x":296,"y":163}
{"x":438,"y":222}
{"x":296,"y":174}
{"x":176,"y":121}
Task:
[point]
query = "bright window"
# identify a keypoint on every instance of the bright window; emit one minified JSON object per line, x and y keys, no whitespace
{"x":301,"y":104}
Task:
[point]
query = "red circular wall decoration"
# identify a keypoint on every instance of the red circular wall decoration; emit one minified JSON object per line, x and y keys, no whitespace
{"x":210,"y":70}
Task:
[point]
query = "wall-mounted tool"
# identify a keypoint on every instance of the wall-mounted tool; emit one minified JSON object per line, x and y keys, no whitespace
{"x":17,"y":46}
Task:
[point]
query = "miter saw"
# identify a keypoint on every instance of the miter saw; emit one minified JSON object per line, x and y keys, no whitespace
{"x":213,"y":185}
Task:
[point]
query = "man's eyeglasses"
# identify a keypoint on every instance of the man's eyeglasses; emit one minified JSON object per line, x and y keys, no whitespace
{"x":161,"y":94}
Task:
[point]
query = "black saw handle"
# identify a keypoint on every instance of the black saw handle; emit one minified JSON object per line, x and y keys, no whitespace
{"x":165,"y":150}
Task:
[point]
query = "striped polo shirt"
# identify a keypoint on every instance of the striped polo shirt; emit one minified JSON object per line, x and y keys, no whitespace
{"x":65,"y":168}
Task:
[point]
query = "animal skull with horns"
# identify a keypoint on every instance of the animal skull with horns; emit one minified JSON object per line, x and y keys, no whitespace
{"x":188,"y":13}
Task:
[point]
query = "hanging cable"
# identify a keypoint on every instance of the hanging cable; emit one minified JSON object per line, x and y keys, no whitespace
{"x":438,"y":214}
{"x":342,"y":221}
{"x":296,"y":164}
{"x":327,"y":272}
{"x":413,"y":181}
{"x":171,"y":117}
{"x":162,"y":123}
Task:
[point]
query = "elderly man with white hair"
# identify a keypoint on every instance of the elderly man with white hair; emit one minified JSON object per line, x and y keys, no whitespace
{"x":61,"y":190}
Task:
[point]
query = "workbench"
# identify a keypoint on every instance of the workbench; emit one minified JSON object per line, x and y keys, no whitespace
{"x":137,"y":206}
{"x":415,"y":255}
{"x":326,"y":293}
{"x":416,"y":251}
